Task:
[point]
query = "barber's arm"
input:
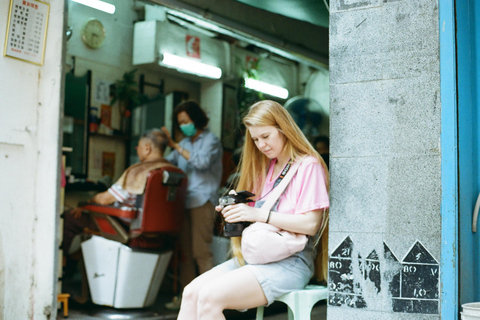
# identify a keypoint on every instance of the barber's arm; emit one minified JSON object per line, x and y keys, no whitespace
{"x":307,"y":223}
{"x":175,"y":146}
{"x":183,"y":152}
{"x":202,"y":159}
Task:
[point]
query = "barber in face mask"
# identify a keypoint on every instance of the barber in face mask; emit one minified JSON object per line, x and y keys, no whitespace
{"x":199,"y":154}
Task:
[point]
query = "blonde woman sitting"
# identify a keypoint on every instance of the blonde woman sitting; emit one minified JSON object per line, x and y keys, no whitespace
{"x":272,"y":141}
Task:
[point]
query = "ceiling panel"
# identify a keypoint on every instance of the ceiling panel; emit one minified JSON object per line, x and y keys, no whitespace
{"x":312,"y":11}
{"x":300,"y":37}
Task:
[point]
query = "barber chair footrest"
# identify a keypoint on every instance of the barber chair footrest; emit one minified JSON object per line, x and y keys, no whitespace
{"x":121,"y":277}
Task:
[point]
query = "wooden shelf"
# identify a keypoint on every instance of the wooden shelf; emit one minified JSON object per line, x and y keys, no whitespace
{"x":108,"y":136}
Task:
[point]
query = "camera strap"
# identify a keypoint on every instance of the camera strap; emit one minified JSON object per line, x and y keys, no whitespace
{"x":283,"y":173}
{"x":283,"y":180}
{"x":279,"y":179}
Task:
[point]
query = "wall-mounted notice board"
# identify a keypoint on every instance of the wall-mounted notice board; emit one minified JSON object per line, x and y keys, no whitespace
{"x":27,"y":30}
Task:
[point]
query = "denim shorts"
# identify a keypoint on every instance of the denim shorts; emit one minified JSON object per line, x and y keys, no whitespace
{"x":281,"y":277}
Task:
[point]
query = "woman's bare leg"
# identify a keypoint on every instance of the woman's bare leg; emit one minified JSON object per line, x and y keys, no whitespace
{"x":237,"y":289}
{"x":188,"y":308}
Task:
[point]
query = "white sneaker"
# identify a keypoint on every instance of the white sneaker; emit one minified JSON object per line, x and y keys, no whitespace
{"x":175,"y":304}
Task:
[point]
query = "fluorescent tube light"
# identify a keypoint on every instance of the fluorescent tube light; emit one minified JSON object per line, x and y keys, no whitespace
{"x":266,"y":88}
{"x":99,"y":5}
{"x":191,"y":66}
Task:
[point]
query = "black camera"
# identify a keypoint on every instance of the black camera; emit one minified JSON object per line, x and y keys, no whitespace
{"x":235,"y":229}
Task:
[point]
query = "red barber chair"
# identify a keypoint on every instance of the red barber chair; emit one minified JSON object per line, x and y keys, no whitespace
{"x":126,"y":266}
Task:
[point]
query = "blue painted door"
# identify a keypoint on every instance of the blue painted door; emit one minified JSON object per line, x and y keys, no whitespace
{"x":468,"y":86}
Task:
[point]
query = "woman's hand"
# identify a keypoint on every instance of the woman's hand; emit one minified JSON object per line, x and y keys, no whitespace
{"x":242,"y":212}
{"x":171,"y":143}
{"x":220,"y":208}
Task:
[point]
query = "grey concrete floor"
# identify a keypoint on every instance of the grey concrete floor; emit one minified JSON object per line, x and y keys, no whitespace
{"x":277,"y":312}
{"x":89,"y":311}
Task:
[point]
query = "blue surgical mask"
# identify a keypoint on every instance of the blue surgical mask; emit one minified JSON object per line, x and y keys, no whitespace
{"x":188,"y":129}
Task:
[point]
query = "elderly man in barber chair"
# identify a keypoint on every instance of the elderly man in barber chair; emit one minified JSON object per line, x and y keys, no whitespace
{"x":150,"y":149}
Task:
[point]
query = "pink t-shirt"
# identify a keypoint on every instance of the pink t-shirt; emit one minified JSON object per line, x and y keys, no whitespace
{"x":307,"y":190}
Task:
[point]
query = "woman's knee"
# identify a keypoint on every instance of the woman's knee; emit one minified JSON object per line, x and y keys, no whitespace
{"x":190,"y":292}
{"x":209,"y":300}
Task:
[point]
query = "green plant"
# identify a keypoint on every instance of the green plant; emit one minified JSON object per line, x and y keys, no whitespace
{"x":125,"y":91}
{"x":245,"y":96}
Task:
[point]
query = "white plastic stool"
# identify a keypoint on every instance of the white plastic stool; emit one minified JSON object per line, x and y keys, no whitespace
{"x":300,"y":302}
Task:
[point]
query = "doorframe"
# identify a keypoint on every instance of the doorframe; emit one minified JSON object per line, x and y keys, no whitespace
{"x":449,"y":163}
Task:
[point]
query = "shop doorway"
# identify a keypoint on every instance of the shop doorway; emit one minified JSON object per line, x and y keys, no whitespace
{"x":468,"y":53}
{"x":459,"y":50}
{"x":105,"y":70}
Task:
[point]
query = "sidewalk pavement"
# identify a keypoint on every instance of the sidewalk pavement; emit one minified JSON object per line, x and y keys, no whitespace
{"x":89,"y":311}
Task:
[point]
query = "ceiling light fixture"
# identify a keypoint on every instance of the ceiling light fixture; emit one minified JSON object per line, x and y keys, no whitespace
{"x":190,"y":66}
{"x":97,"y":4}
{"x":216,"y":24}
{"x":266,"y":88}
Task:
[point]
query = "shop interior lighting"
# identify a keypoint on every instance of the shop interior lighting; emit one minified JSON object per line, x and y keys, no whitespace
{"x":97,"y":4}
{"x":190,"y":66}
{"x":266,"y":88}
{"x":220,"y":28}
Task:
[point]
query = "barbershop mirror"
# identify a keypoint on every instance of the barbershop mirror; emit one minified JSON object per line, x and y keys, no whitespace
{"x":75,"y":125}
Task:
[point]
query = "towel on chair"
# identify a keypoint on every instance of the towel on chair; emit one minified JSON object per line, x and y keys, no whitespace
{"x":134,"y":179}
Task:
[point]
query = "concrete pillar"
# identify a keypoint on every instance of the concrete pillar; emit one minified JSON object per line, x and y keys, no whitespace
{"x":2,"y":278}
{"x":30,"y":173}
{"x":385,"y":220}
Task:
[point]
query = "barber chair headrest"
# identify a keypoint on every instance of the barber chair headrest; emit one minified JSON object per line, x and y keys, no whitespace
{"x":172,"y":178}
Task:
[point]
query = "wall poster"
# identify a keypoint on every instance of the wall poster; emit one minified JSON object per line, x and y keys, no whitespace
{"x":27,"y":30}
{"x":192,"y":46}
{"x":108,"y":164}
{"x":102,"y":91}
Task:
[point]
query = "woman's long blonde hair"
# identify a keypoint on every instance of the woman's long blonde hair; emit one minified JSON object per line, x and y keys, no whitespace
{"x":253,"y":163}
